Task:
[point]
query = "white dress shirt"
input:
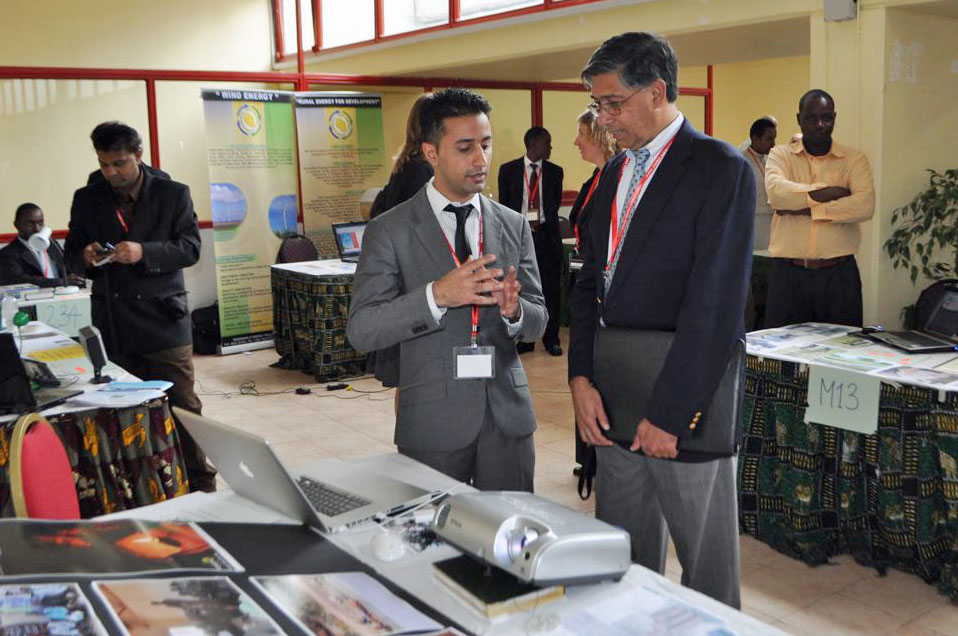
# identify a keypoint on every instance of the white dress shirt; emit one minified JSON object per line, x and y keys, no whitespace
{"x":654,"y":147}
{"x":43,"y":259}
{"x":527,"y":166}
{"x":447,"y":222}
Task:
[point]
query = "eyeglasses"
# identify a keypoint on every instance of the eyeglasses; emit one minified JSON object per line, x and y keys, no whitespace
{"x":612,"y":107}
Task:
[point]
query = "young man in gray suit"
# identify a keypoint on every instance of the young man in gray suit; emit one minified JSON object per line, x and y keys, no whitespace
{"x":451,"y":276}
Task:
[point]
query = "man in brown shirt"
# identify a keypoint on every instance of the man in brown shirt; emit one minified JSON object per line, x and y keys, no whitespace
{"x":821,"y":192}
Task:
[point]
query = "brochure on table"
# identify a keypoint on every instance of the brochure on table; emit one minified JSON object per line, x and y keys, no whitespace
{"x":37,"y":549}
{"x":47,"y":608}
{"x":343,"y":604}
{"x":835,"y":346}
{"x":196,"y":605}
{"x":328,"y":267}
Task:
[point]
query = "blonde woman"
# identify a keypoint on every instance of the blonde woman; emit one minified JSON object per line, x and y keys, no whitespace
{"x":596,"y":146}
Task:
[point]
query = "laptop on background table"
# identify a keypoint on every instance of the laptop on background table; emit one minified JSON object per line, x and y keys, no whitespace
{"x":939,"y":334}
{"x":16,"y":394}
{"x":349,"y":240}
{"x":332,"y":498}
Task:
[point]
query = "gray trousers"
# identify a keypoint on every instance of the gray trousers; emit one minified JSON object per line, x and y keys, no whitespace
{"x":493,"y":461}
{"x":695,"y":503}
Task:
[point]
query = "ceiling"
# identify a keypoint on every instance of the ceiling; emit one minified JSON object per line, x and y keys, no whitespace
{"x":784,"y":38}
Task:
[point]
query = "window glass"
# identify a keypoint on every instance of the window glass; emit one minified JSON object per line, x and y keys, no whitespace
{"x":401,"y":16}
{"x":347,"y":22}
{"x":289,"y":26}
{"x":475,"y":8}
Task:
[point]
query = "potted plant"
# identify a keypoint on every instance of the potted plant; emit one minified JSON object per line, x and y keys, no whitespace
{"x":925,"y":232}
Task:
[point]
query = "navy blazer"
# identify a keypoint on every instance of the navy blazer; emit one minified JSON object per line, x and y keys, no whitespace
{"x":511,"y":183}
{"x":685,"y":267}
{"x":18,"y":264}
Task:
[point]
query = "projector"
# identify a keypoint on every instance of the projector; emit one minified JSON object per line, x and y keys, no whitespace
{"x":535,"y":540}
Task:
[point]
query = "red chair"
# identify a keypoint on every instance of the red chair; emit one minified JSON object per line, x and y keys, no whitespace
{"x":41,"y":480}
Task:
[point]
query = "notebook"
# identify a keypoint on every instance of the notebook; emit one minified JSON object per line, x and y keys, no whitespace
{"x":331,"y":499}
{"x":349,"y":240}
{"x":938,"y":334}
{"x":16,"y":394}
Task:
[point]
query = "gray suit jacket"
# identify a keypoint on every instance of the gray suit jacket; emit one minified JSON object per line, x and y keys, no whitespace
{"x":403,"y":251}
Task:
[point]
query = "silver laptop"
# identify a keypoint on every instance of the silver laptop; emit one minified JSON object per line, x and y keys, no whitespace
{"x":331,"y":499}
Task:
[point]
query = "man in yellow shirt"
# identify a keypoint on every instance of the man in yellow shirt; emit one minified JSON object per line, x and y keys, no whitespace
{"x":821,"y":192}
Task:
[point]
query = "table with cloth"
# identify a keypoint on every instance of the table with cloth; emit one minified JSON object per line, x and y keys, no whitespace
{"x":121,"y":457}
{"x":310,"y":308}
{"x":890,"y":499}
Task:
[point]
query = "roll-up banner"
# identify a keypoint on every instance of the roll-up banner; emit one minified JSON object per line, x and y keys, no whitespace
{"x":252,"y":162}
{"x":340,"y":157}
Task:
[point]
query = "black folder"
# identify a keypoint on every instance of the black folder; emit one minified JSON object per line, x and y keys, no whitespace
{"x":627,"y":365}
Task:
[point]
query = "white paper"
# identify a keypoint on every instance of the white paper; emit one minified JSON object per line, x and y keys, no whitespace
{"x":475,"y":366}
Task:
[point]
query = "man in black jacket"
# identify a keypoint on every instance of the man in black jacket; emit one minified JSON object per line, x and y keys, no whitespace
{"x":139,"y":299}
{"x":668,"y":249}
{"x":21,"y":262}
{"x":532,"y":186}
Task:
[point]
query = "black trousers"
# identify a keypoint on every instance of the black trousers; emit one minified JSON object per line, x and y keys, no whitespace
{"x":549,"y":261}
{"x":830,"y":294}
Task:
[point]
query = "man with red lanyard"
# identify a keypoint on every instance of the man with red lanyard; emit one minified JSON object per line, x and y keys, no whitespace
{"x":668,"y":249}
{"x":133,"y":233}
{"x":451,"y":276}
{"x":532,"y":186}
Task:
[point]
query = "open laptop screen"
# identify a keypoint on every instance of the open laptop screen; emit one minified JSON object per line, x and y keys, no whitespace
{"x":15,"y":392}
{"x":943,"y":321}
{"x":349,"y":238}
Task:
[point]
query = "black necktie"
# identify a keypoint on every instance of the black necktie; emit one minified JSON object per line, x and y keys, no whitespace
{"x":462,"y":246}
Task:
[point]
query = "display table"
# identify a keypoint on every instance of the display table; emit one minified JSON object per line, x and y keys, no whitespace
{"x":642,"y":598}
{"x":310,"y":308}
{"x":121,"y":457}
{"x":890,"y":498}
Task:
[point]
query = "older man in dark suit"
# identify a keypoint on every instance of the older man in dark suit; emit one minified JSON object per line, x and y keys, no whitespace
{"x":23,"y":262}
{"x":139,"y":299}
{"x":532,"y":186}
{"x":668,"y":249}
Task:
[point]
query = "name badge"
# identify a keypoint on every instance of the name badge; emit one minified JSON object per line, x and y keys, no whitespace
{"x":532,"y":215}
{"x":472,"y":363}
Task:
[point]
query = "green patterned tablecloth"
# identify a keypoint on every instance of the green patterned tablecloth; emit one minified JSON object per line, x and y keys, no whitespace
{"x":889,"y":499}
{"x":309,"y":320}
{"x":121,"y":458}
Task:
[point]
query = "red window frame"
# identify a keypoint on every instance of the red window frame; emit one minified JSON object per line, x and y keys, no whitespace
{"x":452,"y":22}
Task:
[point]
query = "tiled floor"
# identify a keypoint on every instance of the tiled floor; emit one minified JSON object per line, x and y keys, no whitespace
{"x":843,"y":598}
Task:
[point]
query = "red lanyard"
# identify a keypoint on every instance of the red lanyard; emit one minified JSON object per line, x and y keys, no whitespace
{"x":631,"y":203}
{"x":119,"y":217}
{"x":474,"y":332}
{"x":588,"y":197}
{"x":533,"y":193}
{"x":46,"y":264}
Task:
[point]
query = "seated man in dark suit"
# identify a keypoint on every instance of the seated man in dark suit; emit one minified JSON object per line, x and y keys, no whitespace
{"x":532,"y":186}
{"x":21,"y":262}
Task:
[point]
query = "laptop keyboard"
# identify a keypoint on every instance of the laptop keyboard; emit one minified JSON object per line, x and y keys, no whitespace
{"x":329,"y":501}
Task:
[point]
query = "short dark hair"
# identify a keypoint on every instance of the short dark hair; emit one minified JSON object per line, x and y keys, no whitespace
{"x":536,"y":132}
{"x":638,"y":58}
{"x":815,"y":93}
{"x":112,"y":136}
{"x":760,"y":125}
{"x":23,"y":208}
{"x":449,"y":102}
